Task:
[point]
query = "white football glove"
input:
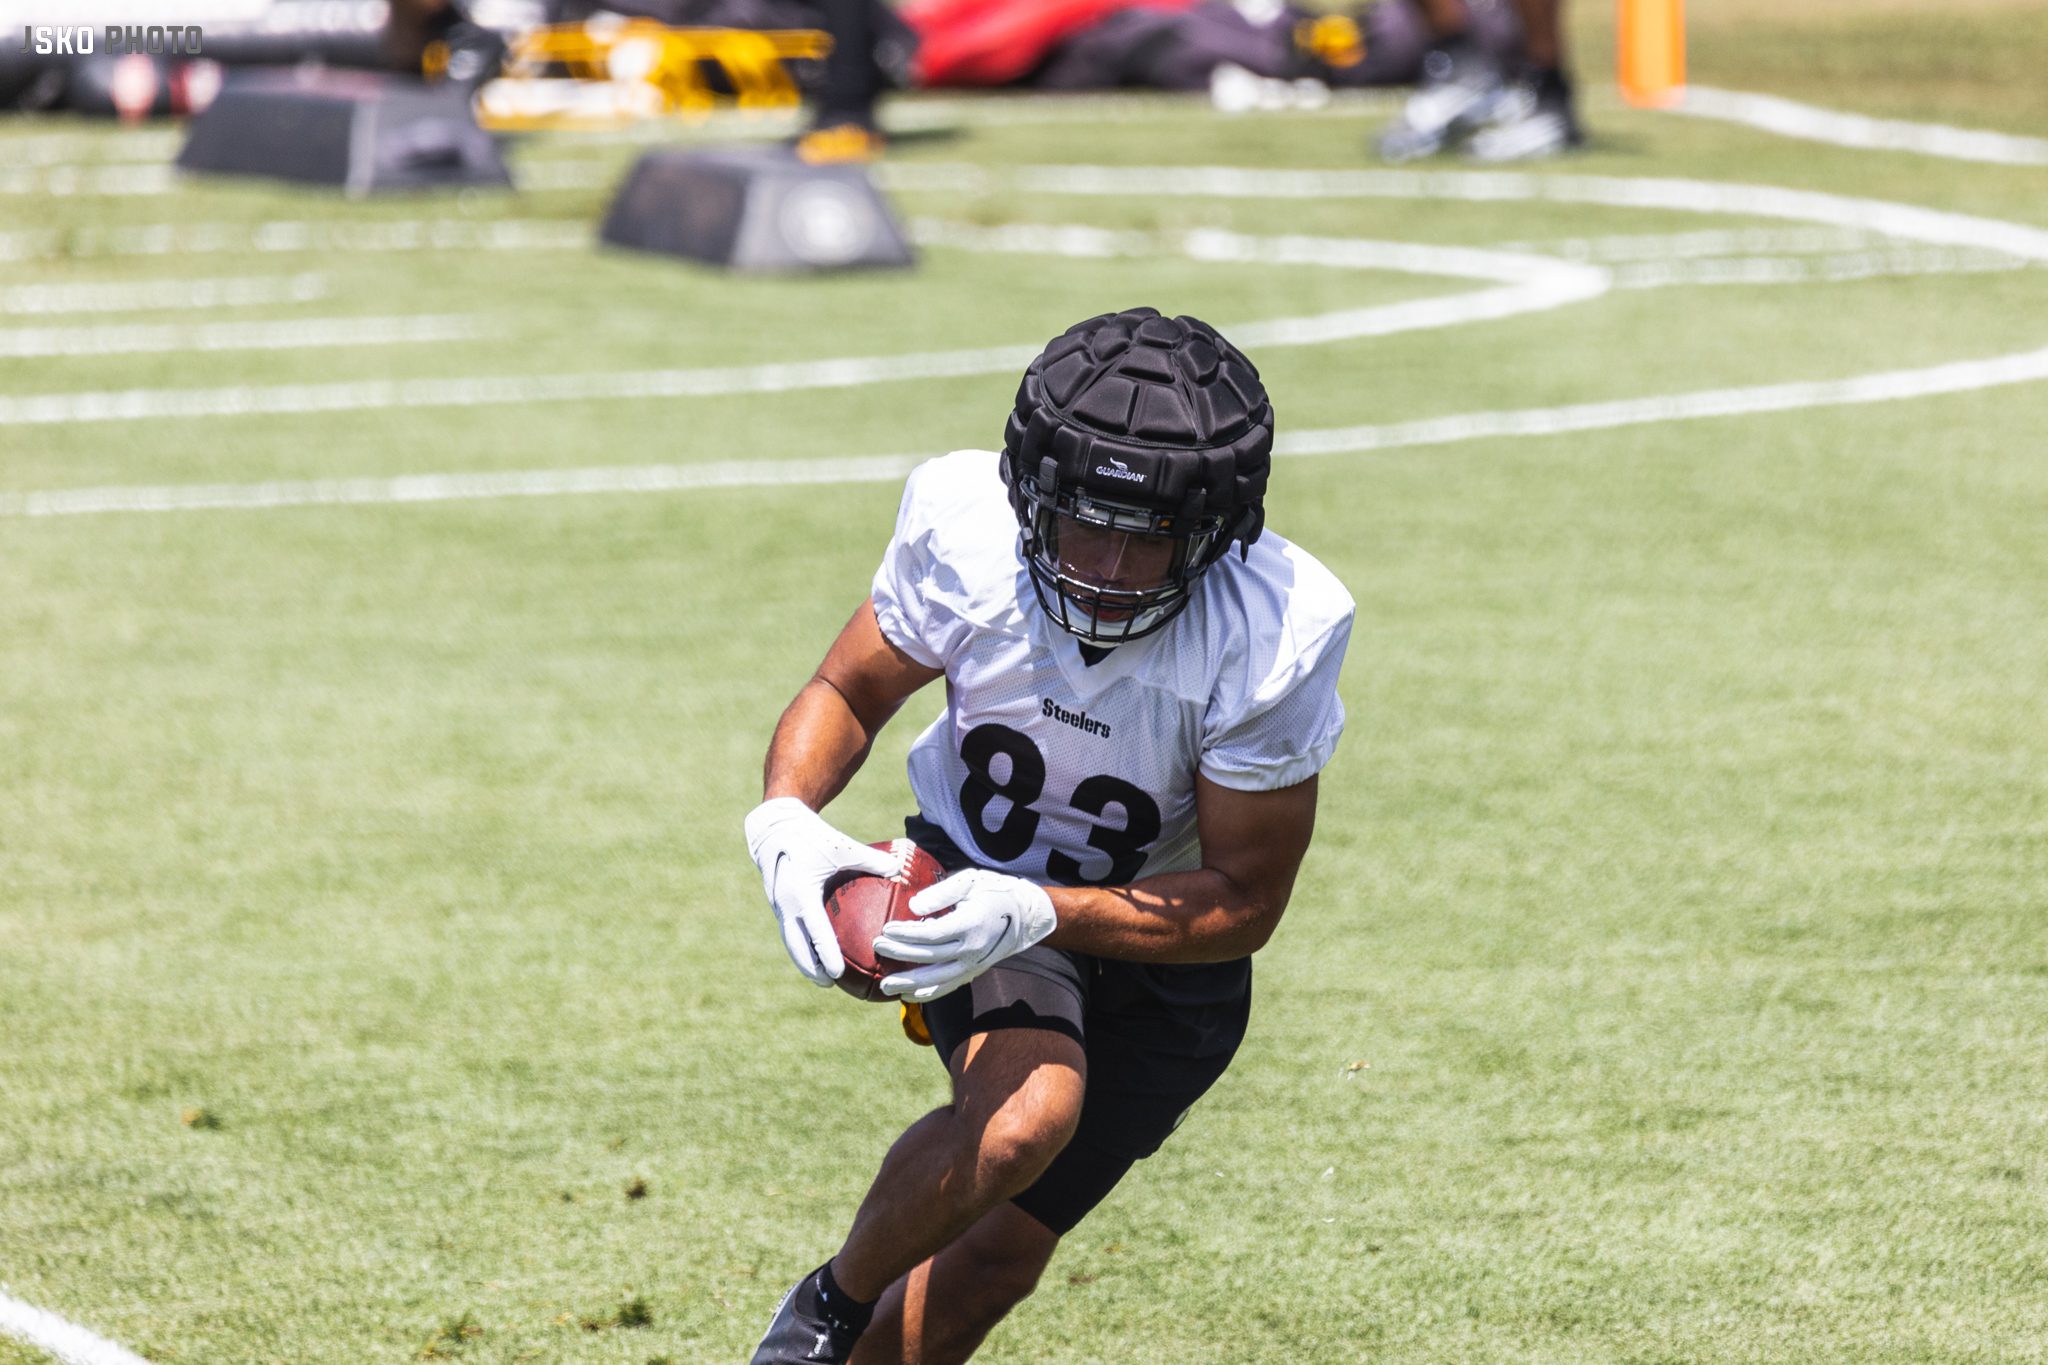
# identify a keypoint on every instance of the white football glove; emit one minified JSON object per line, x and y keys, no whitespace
{"x":798,"y":853}
{"x":993,"y":916}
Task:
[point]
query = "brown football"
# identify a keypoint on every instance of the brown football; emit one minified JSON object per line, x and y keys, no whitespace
{"x":860,"y":904}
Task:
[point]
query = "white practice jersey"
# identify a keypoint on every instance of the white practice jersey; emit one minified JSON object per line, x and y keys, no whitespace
{"x":1064,"y":772}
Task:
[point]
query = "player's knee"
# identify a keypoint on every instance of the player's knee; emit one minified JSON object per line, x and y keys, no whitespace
{"x":1018,"y":1142}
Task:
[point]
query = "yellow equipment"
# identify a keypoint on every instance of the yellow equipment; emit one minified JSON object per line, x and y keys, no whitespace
{"x":614,"y":71}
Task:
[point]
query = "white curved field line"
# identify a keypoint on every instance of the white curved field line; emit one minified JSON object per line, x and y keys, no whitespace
{"x":1530,"y":283}
{"x":1524,"y":284}
{"x":1936,"y":227}
{"x":67,"y":1341}
{"x":1543,"y":283}
{"x":1810,"y":122}
{"x":291,"y":334}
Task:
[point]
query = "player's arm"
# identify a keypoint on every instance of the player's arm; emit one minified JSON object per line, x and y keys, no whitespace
{"x":825,"y":734}
{"x":819,"y":744}
{"x":1252,"y":846}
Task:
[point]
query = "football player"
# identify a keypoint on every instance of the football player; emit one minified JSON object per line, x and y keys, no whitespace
{"x":1468,"y":95}
{"x":1141,"y":687}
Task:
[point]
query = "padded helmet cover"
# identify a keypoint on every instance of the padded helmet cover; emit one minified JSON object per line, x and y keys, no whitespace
{"x":1143,"y":424}
{"x":1148,"y":411}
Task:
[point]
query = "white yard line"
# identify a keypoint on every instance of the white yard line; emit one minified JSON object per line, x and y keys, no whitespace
{"x":1789,"y":118}
{"x":115,"y":145}
{"x":1840,"y":268}
{"x":66,"y":181}
{"x":67,"y":1341}
{"x":289,"y":236}
{"x":560,"y":174}
{"x":142,"y":296}
{"x":1624,"y":247}
{"x":1884,"y":387}
{"x":290,"y":334}
{"x":537,"y":483}
{"x":1962,"y":376}
{"x":507,"y":390}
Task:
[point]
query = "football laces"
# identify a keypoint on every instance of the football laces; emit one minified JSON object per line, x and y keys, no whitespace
{"x":903,"y":850}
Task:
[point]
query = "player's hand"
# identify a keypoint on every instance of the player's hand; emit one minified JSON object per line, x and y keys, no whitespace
{"x":991,"y":916}
{"x":798,"y":853}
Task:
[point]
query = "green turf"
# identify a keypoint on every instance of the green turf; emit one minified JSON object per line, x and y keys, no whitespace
{"x":1667,"y":982}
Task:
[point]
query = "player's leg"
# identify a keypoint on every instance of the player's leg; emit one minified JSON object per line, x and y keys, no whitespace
{"x":939,"y":1313}
{"x":1542,"y":39}
{"x":1016,"y":1100}
{"x":843,"y":128}
{"x":437,"y":38}
{"x":1012,"y":1041}
{"x":1157,"y":1039}
{"x":1447,"y":19}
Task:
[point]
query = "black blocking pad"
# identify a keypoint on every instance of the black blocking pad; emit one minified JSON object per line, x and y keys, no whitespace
{"x":755,"y":209}
{"x":364,"y":132}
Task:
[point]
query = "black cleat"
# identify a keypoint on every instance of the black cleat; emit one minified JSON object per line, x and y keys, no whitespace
{"x":801,"y":1333}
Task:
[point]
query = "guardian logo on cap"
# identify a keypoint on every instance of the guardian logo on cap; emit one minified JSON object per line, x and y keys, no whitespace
{"x":1122,"y":470}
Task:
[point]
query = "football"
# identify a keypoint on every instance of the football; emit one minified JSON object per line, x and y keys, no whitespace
{"x":860,"y":904}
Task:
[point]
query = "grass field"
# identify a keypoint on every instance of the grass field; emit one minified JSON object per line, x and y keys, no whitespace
{"x":382,"y":976}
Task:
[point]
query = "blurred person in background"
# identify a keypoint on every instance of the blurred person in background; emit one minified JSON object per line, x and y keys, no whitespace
{"x":865,"y":36}
{"x":1468,"y":95}
{"x":439,"y":40}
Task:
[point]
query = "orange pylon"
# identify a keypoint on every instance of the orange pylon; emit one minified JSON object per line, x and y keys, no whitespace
{"x":1652,"y":41}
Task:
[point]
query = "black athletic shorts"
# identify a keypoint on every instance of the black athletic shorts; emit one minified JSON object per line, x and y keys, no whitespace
{"x":1156,"y":1037}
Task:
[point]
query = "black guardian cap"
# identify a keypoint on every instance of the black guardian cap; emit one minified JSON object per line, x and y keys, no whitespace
{"x":1139,"y":424}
